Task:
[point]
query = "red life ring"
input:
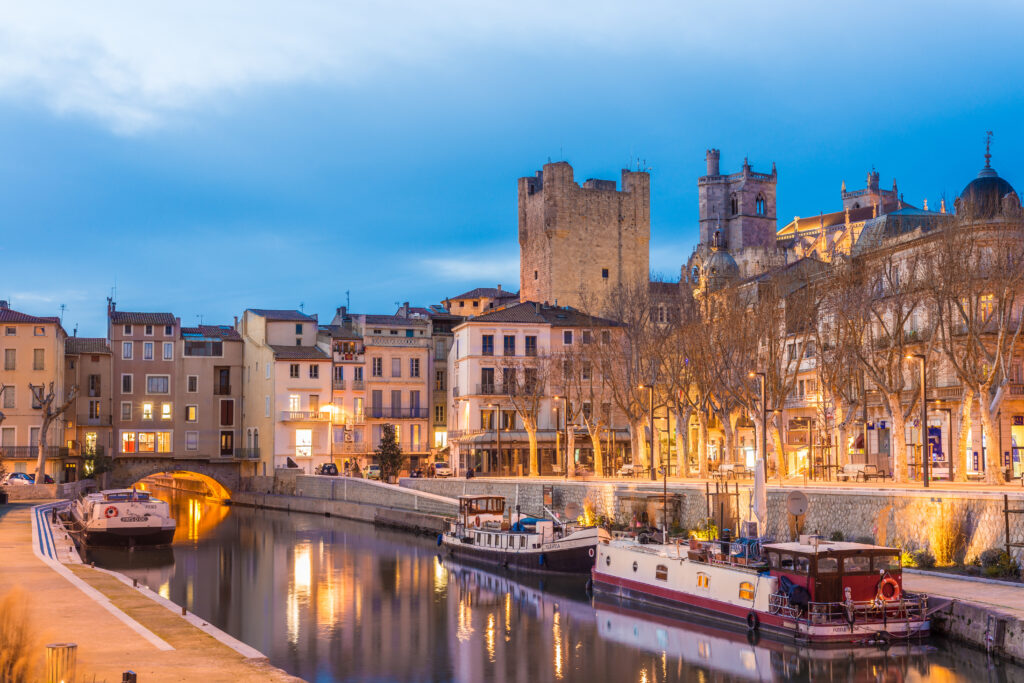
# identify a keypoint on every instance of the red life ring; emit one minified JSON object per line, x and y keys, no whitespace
{"x":111,"y":511}
{"x":478,"y":521}
{"x":591,"y":552}
{"x":894,"y":586}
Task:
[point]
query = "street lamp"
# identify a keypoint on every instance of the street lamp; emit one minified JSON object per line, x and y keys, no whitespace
{"x":497,"y":429}
{"x":764,"y":423}
{"x":664,"y":470}
{"x":565,"y":436}
{"x":924,"y":416}
{"x":650,"y":390}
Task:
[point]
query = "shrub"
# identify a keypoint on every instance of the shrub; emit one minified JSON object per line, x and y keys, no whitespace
{"x":946,"y":536}
{"x":923,"y":559}
{"x":589,"y":512}
{"x":836,"y":536}
{"x":19,"y":651}
{"x":907,"y":558}
{"x":995,"y":562}
{"x":706,"y":531}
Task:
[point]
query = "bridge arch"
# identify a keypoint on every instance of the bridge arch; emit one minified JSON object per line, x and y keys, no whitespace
{"x":222,"y":478}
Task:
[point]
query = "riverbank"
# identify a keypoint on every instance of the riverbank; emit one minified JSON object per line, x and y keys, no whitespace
{"x":116,"y":627}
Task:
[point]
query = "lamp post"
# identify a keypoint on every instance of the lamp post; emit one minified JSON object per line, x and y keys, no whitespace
{"x":565,"y":439}
{"x":924,"y":417}
{"x":497,"y":429}
{"x":650,"y":393}
{"x":764,"y":423}
{"x":664,"y":469}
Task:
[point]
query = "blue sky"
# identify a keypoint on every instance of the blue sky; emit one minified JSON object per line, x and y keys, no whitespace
{"x":205,"y":160}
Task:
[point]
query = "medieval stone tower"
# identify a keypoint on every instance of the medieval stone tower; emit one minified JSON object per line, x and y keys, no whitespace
{"x":592,"y":237}
{"x":741,"y":206}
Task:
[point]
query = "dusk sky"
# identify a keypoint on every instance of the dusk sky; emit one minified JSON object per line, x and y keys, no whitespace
{"x":210,"y":157}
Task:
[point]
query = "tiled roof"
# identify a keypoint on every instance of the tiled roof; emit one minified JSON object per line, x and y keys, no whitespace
{"x":281,"y":314}
{"x":225,"y":332}
{"x":393,"y":320}
{"x":298,"y":352}
{"x":489,"y":292}
{"x":9,"y":315}
{"x":134,"y":318}
{"x":346,"y":331}
{"x":532,"y":313}
{"x":86,"y":345}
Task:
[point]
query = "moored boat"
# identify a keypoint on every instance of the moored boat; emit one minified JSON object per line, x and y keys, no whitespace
{"x":481,"y":533}
{"x":811,"y":589}
{"x":121,"y":517}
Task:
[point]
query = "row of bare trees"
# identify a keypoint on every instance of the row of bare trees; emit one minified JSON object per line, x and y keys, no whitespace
{"x":50,"y":409}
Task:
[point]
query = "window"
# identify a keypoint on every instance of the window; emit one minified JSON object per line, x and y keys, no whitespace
{"x":587,"y":337}
{"x":531,"y":346}
{"x":168,"y":330}
{"x":439,"y":414}
{"x":11,"y":331}
{"x":803,"y":564}
{"x":127,"y":442}
{"x":357,"y":373}
{"x":126,"y":410}
{"x":165,"y":411}
{"x":377,"y":367}
{"x":746,"y":590}
{"x":339,"y":373}
{"x":94,"y":385}
{"x":191,"y":413}
{"x":886,"y":563}
{"x":314,"y":371}
{"x":192,"y":384}
{"x":294,"y":403}
{"x":487,"y":344}
{"x":567,"y":337}
{"x":38,"y":359}
{"x":126,"y":350}
{"x":396,"y":367}
{"x":760,"y":205}
{"x":786,"y":562}
{"x":35,"y":398}
{"x":128,"y":330}
{"x":94,"y":410}
{"x":703,"y":581}
{"x":293,"y":370}
{"x":227,"y":443}
{"x":147,"y":350}
{"x":266,"y":406}
{"x":298,"y":328}
{"x":661,"y":572}
{"x":266,"y":373}
{"x":828,"y":565}
{"x":203,"y":348}
{"x":147,"y":411}
{"x":158,"y":384}
{"x":39,"y":330}
{"x":856,"y":564}
{"x":9,"y":394}
{"x":227,"y":412}
{"x":168,"y":350}
{"x":606,"y":336}
{"x":414,"y":367}
{"x":604,"y":273}
{"x":191,"y":441}
{"x":149,"y":331}
{"x":510,"y":345}
{"x":734,"y":204}
{"x":535,"y":275}
{"x":10,"y":356}
{"x":486,"y":420}
{"x":439,"y":383}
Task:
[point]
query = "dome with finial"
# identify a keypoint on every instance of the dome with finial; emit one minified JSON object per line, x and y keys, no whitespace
{"x":983,"y":196}
{"x":719,"y":267}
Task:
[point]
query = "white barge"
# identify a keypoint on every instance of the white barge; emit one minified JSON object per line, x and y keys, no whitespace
{"x":124,"y":517}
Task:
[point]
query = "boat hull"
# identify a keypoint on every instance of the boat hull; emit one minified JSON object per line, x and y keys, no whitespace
{"x":129,"y":537}
{"x":777,"y":626}
{"x":572,"y":560}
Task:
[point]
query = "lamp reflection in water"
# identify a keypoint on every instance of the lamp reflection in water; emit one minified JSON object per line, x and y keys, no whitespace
{"x":440,"y":576}
{"x":556,"y":632}
{"x":489,"y":636}
{"x":508,"y":616}
{"x":298,"y":589}
{"x":465,"y":628}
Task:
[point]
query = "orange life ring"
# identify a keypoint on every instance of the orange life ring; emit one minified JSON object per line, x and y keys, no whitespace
{"x":895,"y":586}
{"x":477,"y":522}
{"x":111,"y":511}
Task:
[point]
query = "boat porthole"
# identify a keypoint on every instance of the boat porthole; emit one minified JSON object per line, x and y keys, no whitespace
{"x":634,"y":566}
{"x":608,"y":560}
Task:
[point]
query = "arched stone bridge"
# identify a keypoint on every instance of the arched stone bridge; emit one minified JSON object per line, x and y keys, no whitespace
{"x":226,"y":473}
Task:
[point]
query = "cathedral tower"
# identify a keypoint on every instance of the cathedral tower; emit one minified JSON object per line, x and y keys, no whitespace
{"x":741,"y":206}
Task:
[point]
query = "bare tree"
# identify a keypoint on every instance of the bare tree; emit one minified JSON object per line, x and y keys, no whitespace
{"x":586,"y":388}
{"x":525,"y":382}
{"x":50,"y":411}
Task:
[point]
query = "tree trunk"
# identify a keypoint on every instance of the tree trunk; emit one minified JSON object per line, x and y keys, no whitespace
{"x":570,"y":451}
{"x":993,"y":461}
{"x":898,"y":448}
{"x":531,"y":435}
{"x":728,"y":431}
{"x":702,"y":444}
{"x":639,"y":447}
{"x":595,"y":440}
{"x":41,"y":454}
{"x":782,"y":466}
{"x":683,"y":441}
{"x":959,"y":460}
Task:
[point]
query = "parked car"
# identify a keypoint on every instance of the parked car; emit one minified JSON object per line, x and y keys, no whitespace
{"x":442,"y":469}
{"x":18,"y":479}
{"x":328,"y":469}
{"x":373,"y":472}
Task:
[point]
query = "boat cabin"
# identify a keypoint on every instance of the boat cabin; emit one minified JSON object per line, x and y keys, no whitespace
{"x":827,"y":568}
{"x":479,"y":510}
{"x":125,"y":496}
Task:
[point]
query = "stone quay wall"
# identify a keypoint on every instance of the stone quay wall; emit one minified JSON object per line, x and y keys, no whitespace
{"x":908,"y":519}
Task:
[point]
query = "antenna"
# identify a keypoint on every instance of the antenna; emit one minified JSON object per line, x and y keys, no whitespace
{"x":200,"y":316}
{"x":348,"y":304}
{"x":988,"y":145}
{"x":62,"y":307}
{"x":302,"y":306}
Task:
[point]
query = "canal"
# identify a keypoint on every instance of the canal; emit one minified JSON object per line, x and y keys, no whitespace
{"x":334,"y":600}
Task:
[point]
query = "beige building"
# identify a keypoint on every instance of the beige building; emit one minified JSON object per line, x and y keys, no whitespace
{"x":208,"y":378}
{"x":33,"y":356}
{"x":89,"y":421}
{"x":287,"y":412}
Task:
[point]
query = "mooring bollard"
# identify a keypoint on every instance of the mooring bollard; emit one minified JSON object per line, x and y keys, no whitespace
{"x":183,"y":611}
{"x":128,"y":677}
{"x":61,"y":660}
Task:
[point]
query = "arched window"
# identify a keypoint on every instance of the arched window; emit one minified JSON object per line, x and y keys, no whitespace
{"x":761,"y":205}
{"x":734,"y":204}
{"x":256,"y":438}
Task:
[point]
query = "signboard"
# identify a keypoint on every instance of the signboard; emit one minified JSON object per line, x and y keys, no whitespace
{"x":549,"y":495}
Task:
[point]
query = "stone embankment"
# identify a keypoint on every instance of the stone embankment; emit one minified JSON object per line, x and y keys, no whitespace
{"x":359,"y":499}
{"x":72,"y":489}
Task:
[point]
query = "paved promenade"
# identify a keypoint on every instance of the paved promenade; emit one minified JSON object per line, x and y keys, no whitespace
{"x":135,"y":632}
{"x":1008,"y":599}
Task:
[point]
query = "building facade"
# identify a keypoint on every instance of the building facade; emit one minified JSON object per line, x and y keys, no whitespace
{"x":89,"y":421}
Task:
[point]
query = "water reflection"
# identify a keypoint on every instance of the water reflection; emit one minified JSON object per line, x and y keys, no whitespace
{"x":333,"y":600}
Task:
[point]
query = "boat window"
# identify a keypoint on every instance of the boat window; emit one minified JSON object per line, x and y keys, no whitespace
{"x":889,"y":563}
{"x":661,"y":572}
{"x":786,"y":562}
{"x":522,"y":541}
{"x":773,"y":560}
{"x":703,"y":580}
{"x":746,"y":590}
{"x":803,"y":564}
{"x":828,"y":565}
{"x":856,"y":564}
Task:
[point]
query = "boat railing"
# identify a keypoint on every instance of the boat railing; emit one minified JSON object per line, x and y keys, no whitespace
{"x":908,"y":608}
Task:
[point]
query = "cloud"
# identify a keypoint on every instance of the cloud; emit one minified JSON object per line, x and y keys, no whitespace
{"x":484,"y":270}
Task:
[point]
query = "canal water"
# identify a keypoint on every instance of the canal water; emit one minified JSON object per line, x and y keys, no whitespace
{"x":334,"y":600}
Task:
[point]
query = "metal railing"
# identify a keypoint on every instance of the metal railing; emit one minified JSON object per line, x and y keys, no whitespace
{"x":247,"y":454}
{"x":339,"y":385}
{"x":351,"y":447}
{"x":95,"y":421}
{"x":304,"y":416}
{"x":491,"y":389}
{"x":221,"y":389}
{"x":382,"y":412}
{"x":358,"y":385}
{"x":28,"y":452}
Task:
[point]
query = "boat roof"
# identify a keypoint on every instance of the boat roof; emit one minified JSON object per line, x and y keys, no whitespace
{"x":480,"y":497}
{"x":825,"y":547}
{"x":118,"y":493}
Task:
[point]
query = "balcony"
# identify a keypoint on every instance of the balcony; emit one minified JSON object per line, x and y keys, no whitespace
{"x":94,"y":421}
{"x":386,"y":413}
{"x":489,"y":390}
{"x":247,"y":454}
{"x":357,"y":385}
{"x":304,"y":416}
{"x":339,"y":385}
{"x":222,"y":390}
{"x":31,"y":452}
{"x":344,"y":447}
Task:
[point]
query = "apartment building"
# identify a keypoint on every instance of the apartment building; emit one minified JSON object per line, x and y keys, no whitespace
{"x":33,"y":356}
{"x":342,"y":339}
{"x":208,"y":379}
{"x":485,"y":431}
{"x":89,"y":420}
{"x":287,"y":413}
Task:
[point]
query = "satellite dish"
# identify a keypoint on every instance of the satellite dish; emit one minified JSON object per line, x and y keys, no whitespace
{"x":572,"y":510}
{"x":797,"y":503}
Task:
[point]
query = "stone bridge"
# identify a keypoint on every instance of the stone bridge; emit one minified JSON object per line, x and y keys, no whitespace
{"x":225,"y":473}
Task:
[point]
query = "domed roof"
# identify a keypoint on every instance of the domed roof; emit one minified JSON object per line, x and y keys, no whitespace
{"x":720,"y":264}
{"x":983,"y":196}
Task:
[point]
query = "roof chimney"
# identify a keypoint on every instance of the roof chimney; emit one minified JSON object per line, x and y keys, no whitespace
{"x":3,"y":305}
{"x":499,"y":289}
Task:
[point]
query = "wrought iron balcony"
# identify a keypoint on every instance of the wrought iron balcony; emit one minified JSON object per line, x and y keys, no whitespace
{"x":94,"y":421}
{"x":29,"y":452}
{"x":247,"y":454}
{"x":383,"y":412}
{"x":221,"y":389}
{"x":304,"y":416}
{"x":339,"y":385}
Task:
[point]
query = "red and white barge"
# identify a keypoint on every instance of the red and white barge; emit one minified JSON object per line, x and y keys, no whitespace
{"x":811,"y":590}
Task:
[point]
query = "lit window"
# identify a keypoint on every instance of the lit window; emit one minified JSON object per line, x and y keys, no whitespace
{"x":746,"y":590}
{"x":128,"y":442}
{"x":191,"y":413}
{"x":147,"y":411}
{"x":165,"y":411}
{"x":703,"y":580}
{"x":147,"y":442}
{"x":163,"y":442}
{"x":661,"y":572}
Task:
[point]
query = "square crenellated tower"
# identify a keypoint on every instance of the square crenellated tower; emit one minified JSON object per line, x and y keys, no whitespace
{"x":588,"y":238}
{"x":740,"y":206}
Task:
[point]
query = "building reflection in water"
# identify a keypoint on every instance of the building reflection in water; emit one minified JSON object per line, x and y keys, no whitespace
{"x":329,"y":599}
